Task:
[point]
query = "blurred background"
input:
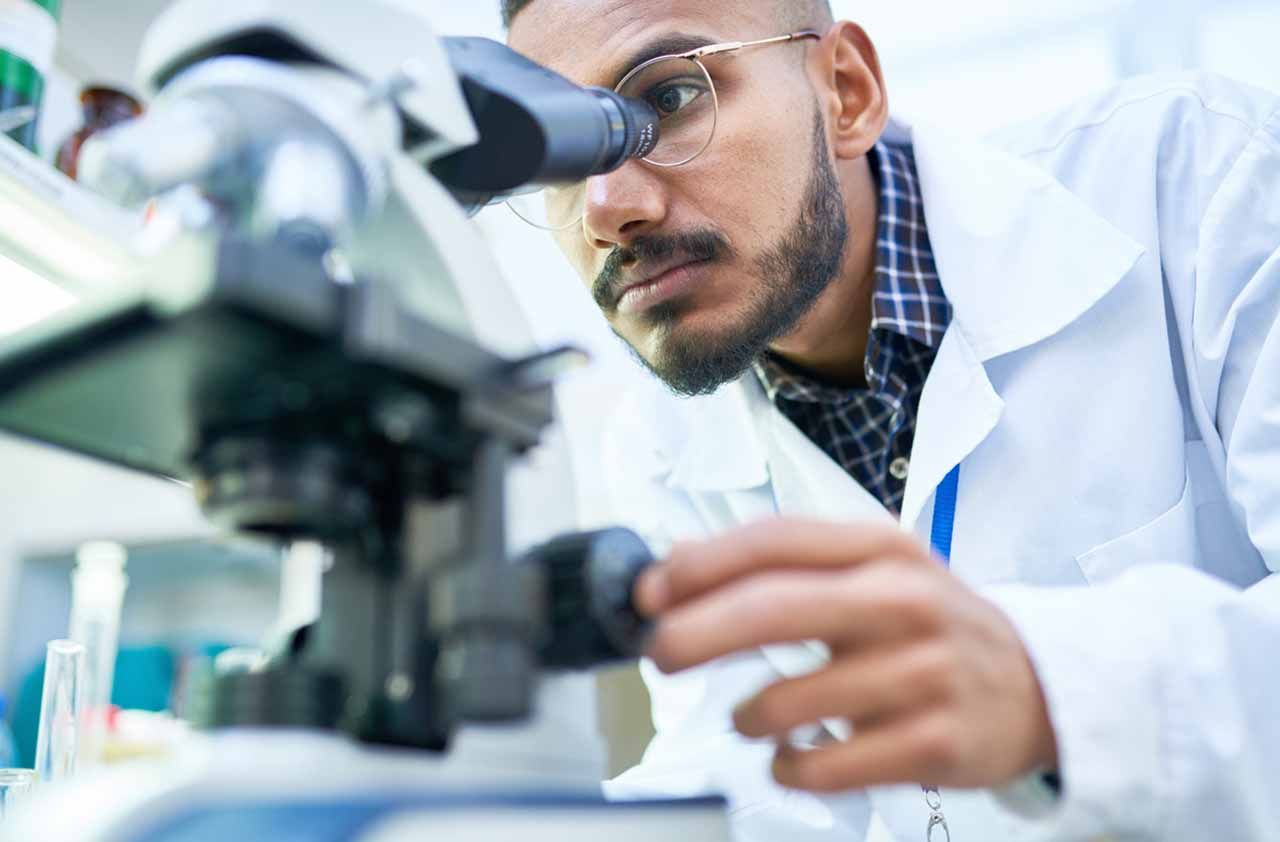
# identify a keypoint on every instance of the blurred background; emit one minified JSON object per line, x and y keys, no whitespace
{"x":977,"y":66}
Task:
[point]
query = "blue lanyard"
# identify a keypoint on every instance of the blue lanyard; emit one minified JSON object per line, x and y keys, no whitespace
{"x":944,"y":521}
{"x":944,"y":514}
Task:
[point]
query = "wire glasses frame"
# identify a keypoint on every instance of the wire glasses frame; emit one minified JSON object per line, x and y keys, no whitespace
{"x":694,"y":57}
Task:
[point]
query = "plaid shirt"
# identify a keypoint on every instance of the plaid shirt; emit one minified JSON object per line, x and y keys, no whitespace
{"x":869,"y":431}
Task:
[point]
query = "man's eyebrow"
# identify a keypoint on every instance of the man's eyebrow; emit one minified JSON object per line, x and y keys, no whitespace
{"x":665,"y":45}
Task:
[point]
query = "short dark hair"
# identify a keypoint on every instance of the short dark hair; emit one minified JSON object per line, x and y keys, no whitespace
{"x":511,"y":8}
{"x":797,"y":13}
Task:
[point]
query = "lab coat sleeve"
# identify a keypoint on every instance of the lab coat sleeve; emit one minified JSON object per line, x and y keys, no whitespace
{"x":1163,"y":684}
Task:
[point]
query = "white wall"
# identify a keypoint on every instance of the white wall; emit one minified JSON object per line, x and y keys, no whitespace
{"x":982,"y":64}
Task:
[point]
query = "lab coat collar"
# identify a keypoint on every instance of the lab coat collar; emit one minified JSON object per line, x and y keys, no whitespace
{"x":1020,"y":258}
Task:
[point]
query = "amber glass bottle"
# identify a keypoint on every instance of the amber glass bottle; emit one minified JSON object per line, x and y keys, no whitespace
{"x":103,"y":108}
{"x":28,"y":31}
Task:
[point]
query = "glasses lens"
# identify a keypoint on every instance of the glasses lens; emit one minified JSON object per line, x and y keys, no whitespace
{"x":681,"y":92}
{"x":552,"y":208}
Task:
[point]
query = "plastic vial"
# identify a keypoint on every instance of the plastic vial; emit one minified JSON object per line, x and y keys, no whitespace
{"x":61,"y":708}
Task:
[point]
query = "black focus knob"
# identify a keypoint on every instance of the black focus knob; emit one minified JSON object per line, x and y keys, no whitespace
{"x":590,"y":579}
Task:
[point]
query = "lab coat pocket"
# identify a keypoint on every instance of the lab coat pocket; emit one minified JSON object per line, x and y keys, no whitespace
{"x":1168,"y":539}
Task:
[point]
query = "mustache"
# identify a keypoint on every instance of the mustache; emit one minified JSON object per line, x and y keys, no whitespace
{"x":704,"y":245}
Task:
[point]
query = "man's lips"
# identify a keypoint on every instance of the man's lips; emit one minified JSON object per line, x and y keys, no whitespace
{"x":671,"y":283}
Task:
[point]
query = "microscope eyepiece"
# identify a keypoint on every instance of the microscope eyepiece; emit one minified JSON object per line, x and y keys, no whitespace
{"x":536,"y":127}
{"x":633,"y":128}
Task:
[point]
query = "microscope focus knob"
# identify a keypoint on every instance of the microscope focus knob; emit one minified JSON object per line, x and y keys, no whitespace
{"x":590,"y":579}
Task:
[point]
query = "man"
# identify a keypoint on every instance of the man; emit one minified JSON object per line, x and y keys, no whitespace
{"x":1054,"y":362}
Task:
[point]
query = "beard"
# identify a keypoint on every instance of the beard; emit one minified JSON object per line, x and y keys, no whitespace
{"x":793,"y":273}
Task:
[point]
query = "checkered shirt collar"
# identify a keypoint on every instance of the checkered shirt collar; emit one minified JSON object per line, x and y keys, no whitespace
{"x":908,"y":297}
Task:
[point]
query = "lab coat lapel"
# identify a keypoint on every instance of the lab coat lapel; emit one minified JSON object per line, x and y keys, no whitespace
{"x":958,"y":409}
{"x":737,"y":444}
{"x":1020,"y":258}
{"x":722,"y":459}
{"x":721,"y":450}
{"x":806,"y":481}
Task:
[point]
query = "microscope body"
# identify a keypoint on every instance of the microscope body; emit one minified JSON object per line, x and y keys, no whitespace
{"x":326,"y":351}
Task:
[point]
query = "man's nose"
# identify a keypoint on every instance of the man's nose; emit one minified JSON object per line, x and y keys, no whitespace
{"x":623,"y":205}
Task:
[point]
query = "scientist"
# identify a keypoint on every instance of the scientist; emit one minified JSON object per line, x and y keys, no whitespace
{"x":1054,"y":360}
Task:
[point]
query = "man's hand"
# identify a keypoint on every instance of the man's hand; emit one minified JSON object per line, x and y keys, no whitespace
{"x":933,"y":678}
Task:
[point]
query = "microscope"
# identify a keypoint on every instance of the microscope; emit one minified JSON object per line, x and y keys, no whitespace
{"x":323,"y":349}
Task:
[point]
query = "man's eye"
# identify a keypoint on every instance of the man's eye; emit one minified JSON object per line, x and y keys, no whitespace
{"x":671,"y":98}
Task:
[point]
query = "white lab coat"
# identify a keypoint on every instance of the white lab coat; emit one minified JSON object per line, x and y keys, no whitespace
{"x":1110,"y":386}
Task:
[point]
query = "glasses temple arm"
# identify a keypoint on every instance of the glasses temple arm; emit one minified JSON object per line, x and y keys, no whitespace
{"x":716,"y":49}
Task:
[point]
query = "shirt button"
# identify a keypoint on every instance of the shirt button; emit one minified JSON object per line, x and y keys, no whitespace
{"x":899,"y":468}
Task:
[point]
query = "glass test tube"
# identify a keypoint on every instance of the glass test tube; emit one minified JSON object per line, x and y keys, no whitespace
{"x":61,"y":708}
{"x":15,"y":784}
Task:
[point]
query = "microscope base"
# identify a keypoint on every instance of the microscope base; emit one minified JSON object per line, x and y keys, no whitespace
{"x":269,"y":785}
{"x":541,"y":817}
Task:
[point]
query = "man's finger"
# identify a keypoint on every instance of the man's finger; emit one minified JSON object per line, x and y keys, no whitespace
{"x":907,"y":750}
{"x":695,"y":568}
{"x":847,"y":609}
{"x":879,"y":684}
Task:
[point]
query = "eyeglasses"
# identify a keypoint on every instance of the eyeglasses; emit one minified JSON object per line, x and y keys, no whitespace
{"x":680,"y":89}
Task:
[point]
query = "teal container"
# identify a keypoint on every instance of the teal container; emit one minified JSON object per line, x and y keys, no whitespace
{"x":28,"y":33}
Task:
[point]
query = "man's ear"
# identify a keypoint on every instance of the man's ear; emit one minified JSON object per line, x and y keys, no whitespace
{"x":851,"y":89}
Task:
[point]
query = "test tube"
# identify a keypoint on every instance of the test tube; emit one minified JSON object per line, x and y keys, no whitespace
{"x":98,"y":585}
{"x":60,"y":710}
{"x":14,"y":786}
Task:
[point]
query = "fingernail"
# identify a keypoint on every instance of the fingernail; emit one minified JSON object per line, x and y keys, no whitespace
{"x":652,"y":591}
{"x":738,"y":711}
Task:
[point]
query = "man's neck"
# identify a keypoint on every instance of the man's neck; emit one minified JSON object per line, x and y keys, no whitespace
{"x":830,"y":342}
